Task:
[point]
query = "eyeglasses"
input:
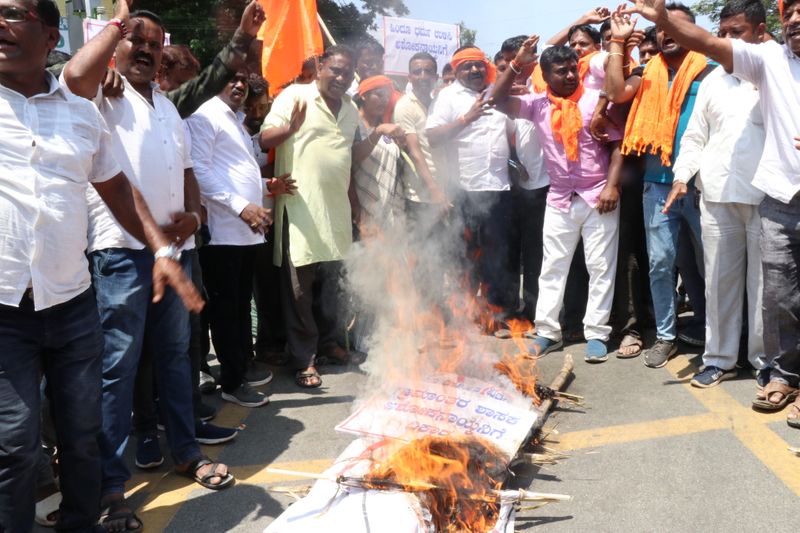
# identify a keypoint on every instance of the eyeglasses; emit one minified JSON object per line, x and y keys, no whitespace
{"x":17,"y":14}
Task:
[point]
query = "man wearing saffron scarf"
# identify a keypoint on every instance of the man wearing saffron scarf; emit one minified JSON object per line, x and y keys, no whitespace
{"x":475,"y":135}
{"x":663,"y":97}
{"x":583,"y":196}
{"x":775,"y":70}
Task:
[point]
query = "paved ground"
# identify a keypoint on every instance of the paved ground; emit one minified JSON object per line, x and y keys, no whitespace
{"x":647,"y":453}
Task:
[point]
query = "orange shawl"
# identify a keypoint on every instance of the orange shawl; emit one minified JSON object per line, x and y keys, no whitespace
{"x":566,"y":120}
{"x":656,"y":107}
{"x":537,"y":78}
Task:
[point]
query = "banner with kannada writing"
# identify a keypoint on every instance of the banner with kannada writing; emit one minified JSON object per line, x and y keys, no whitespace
{"x":402,"y":38}
{"x":446,"y":404}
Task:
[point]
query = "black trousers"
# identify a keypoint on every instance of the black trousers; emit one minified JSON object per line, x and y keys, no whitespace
{"x":526,"y":246}
{"x":271,"y":336}
{"x":228,"y":278}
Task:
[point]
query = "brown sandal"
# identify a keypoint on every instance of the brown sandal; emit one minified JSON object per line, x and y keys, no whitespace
{"x":793,"y":417}
{"x":787,"y":395}
{"x":630,"y":341}
{"x":308,"y":379}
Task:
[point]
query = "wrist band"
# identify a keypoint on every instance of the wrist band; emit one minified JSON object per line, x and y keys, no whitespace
{"x":123,"y":29}
{"x":196,"y":219}
{"x":618,"y":40}
{"x":514,"y":66}
{"x":616,"y":54}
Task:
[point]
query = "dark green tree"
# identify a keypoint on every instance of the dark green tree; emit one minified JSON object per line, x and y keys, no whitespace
{"x":466,"y":35}
{"x":713,"y":7}
{"x":206,"y":25}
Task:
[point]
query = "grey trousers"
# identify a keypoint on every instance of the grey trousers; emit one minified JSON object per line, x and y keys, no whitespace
{"x":780,"y":257}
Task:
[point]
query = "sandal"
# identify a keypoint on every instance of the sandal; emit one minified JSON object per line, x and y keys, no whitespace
{"x":336,"y":355}
{"x":787,"y":395}
{"x":793,"y":418}
{"x":630,"y":347}
{"x":308,"y":379}
{"x":47,"y":510}
{"x":118,"y":517}
{"x":205,"y":480}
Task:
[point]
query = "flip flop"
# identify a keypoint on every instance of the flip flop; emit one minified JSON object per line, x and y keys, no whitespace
{"x":46,"y":508}
{"x":788,"y":394}
{"x":205,"y":480}
{"x":629,"y":341}
{"x":793,"y":416}
{"x":302,"y":376}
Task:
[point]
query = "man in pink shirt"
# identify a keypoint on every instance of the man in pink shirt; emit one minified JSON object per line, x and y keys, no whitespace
{"x":583,"y":196}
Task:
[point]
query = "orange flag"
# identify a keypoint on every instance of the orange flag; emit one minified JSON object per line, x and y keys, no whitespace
{"x":290,"y":34}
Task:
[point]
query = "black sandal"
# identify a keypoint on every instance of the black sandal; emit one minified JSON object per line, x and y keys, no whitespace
{"x":308,"y":379}
{"x":119,"y":511}
{"x":205,"y":480}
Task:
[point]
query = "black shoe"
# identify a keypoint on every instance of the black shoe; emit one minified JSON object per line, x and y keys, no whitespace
{"x":206,"y":433}
{"x":206,"y":412}
{"x":658,"y":355}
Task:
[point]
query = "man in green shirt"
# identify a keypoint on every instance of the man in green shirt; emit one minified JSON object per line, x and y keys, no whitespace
{"x":313,"y":127}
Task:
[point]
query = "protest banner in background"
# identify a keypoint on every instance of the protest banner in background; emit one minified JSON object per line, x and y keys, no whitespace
{"x":402,"y":38}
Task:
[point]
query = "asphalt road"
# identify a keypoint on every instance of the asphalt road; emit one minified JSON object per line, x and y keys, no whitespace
{"x":647,"y":452}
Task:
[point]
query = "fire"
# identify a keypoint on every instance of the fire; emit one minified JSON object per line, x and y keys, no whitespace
{"x":456,"y":479}
{"x":521,"y":370}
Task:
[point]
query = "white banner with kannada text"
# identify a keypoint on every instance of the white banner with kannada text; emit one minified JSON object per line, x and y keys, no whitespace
{"x":402,"y":38}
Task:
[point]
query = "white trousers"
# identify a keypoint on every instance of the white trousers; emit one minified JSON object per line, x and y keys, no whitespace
{"x":732,"y":255}
{"x":562,"y":231}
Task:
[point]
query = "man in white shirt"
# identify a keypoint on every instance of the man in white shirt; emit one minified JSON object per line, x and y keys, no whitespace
{"x":53,"y":145}
{"x":723,"y":142}
{"x":232,"y":191}
{"x":148,"y":141}
{"x":775,"y":70}
{"x":461,"y":120}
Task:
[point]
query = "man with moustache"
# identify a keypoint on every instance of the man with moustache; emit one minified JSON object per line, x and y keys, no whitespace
{"x":461,"y":121}
{"x":775,"y":70}
{"x":232,"y":191}
{"x":149,"y":142}
{"x":54,"y":144}
{"x":663,"y":97}
{"x":313,"y":127}
{"x":723,"y":142}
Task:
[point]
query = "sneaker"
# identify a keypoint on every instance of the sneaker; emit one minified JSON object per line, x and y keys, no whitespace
{"x":256,"y":374}
{"x":658,"y":355}
{"x":542,"y":346}
{"x":596,"y":352}
{"x":712,"y":376}
{"x":693,"y":335}
{"x":207,"y":383}
{"x":206,"y":412}
{"x":148,"y":452}
{"x":246,"y":396}
{"x":210,"y":434}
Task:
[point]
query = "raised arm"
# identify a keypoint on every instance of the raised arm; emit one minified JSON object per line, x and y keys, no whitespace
{"x":594,"y":16}
{"x":87,"y":68}
{"x":685,"y":33}
{"x":500,"y":96}
{"x":212,"y":79}
{"x":619,"y":87}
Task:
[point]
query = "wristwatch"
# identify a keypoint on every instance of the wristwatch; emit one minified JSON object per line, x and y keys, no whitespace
{"x":169,"y":252}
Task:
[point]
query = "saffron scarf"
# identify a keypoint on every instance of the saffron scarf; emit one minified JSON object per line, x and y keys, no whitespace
{"x":656,"y":108}
{"x":566,"y":120}
{"x":475,"y":54}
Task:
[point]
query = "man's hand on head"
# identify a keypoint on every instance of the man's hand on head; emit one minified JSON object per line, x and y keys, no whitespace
{"x":252,"y":19}
{"x":122,"y":10}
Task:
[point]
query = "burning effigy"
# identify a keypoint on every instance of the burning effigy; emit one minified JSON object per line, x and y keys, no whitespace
{"x":444,"y":411}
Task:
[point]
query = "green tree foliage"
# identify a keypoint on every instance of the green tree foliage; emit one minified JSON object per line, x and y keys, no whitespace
{"x":713,"y":7}
{"x":206,"y":25}
{"x":466,"y":35}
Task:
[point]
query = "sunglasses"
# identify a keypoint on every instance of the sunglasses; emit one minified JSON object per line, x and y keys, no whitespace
{"x":18,"y":14}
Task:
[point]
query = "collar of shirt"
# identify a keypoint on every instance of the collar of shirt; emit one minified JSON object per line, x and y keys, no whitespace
{"x":54,"y":88}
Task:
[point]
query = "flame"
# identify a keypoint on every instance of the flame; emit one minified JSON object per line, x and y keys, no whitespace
{"x":455,"y":478}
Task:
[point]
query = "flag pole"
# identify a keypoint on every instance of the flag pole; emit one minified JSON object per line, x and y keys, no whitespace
{"x":328,"y":35}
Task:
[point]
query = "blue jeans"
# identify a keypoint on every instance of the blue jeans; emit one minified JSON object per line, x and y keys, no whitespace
{"x":662,"y":248}
{"x":122,"y":279}
{"x":66,"y":344}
